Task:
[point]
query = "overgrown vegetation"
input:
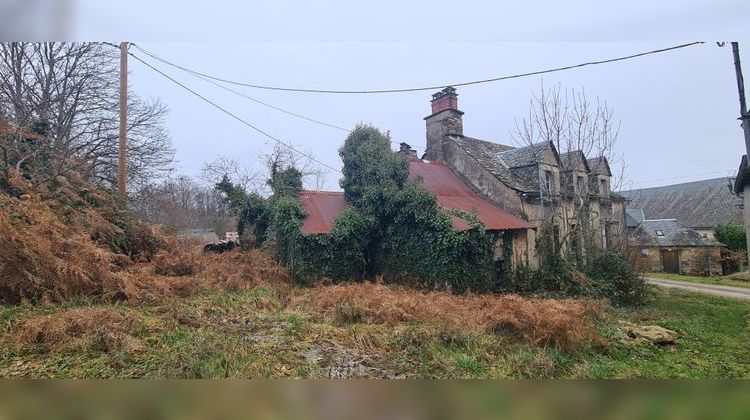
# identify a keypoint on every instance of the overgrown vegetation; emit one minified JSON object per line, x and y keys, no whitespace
{"x":732,"y":235}
{"x":369,"y":331}
{"x":67,"y":239}
{"x":393,"y":228}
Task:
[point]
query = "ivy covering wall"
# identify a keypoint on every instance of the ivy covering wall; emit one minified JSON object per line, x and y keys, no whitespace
{"x":393,"y":227}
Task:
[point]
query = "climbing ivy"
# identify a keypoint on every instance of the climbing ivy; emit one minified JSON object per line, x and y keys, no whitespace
{"x":393,"y":227}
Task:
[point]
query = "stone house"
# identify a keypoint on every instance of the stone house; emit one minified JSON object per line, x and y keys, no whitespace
{"x":569,"y":192}
{"x":665,"y":245}
{"x":514,"y":190}
{"x":699,"y":205}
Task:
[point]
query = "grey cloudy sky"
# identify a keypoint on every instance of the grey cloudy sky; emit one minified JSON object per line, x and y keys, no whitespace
{"x":678,"y":109}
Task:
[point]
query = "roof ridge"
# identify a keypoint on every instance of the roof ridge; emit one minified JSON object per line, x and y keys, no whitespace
{"x":321,"y":192}
{"x":675,"y":185}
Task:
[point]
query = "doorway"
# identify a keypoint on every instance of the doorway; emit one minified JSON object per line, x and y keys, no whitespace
{"x":670,"y":260}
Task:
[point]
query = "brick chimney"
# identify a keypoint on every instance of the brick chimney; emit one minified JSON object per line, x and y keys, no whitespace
{"x":445,"y":120}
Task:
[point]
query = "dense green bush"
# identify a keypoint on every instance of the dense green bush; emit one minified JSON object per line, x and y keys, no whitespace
{"x":613,"y":278}
{"x":393,"y":228}
{"x":732,"y":235}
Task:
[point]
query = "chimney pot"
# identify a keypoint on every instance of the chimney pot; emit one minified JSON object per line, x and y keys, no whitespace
{"x":445,"y":99}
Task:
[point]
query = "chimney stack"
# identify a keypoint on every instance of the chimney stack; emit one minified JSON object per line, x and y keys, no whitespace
{"x":445,"y":120}
{"x":406,"y":151}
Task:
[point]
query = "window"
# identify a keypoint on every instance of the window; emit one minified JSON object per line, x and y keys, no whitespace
{"x":659,"y":233}
{"x":603,"y":187}
{"x":548,"y":180}
{"x":644,"y":252}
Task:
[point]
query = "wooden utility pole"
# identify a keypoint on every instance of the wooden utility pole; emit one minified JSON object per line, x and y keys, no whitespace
{"x":122,"y":157}
{"x":744,"y":112}
{"x":745,"y":120}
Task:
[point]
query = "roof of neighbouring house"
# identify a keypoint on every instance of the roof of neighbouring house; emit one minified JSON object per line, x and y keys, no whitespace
{"x":633,"y":217}
{"x":700,"y":204}
{"x":667,"y":232}
{"x":450,"y":192}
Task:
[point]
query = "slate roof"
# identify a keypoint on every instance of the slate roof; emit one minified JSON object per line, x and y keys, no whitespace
{"x":633,"y":217}
{"x":524,"y":156}
{"x":673,"y":234}
{"x":487,"y":155}
{"x":571,"y":159}
{"x":699,"y":205}
{"x":599,"y":166}
{"x":323,"y":207}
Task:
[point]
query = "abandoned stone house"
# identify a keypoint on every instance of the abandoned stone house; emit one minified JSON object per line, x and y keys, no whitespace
{"x":665,"y":245}
{"x":513,"y":189}
{"x":571,"y":192}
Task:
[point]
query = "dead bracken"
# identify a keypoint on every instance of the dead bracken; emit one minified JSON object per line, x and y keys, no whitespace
{"x":562,"y":323}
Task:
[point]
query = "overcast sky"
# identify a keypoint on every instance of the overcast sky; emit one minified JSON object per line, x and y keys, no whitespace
{"x":678,"y":109}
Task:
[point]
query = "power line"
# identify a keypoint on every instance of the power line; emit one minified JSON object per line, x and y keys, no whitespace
{"x":422,"y":88}
{"x":208,"y":80}
{"x":279,"y":141}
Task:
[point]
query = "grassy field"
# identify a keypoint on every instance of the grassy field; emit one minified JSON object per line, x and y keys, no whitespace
{"x":257,"y":334}
{"x":722,"y":281}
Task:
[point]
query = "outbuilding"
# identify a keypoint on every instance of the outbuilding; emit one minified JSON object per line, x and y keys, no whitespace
{"x":664,"y":245}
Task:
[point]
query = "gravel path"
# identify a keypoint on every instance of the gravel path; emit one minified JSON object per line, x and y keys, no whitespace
{"x":713,"y":289}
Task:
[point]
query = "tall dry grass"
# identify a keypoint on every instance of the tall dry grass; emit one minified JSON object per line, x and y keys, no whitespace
{"x":564,"y":324}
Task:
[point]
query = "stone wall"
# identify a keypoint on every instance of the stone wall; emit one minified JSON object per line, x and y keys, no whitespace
{"x":694,"y":261}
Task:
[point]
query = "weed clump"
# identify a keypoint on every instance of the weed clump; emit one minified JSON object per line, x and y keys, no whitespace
{"x":100,"y":329}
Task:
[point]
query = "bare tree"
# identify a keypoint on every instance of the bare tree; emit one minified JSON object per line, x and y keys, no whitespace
{"x":573,"y":123}
{"x":282,"y":157}
{"x":241,"y":175}
{"x":183,"y":203}
{"x":70,"y":90}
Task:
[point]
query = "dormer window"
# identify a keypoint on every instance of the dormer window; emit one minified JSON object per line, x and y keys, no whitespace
{"x":548,"y":180}
{"x":603,"y":190}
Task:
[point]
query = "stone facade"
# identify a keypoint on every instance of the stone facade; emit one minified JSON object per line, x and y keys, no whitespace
{"x":696,"y":261}
{"x":531,"y":182}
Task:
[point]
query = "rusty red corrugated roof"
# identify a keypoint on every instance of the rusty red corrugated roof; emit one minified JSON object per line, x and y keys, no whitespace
{"x":452,"y":193}
{"x":324,"y":206}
